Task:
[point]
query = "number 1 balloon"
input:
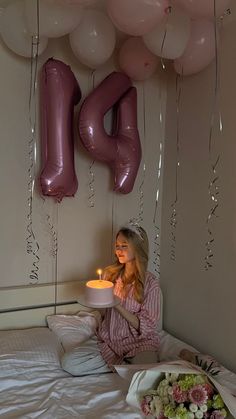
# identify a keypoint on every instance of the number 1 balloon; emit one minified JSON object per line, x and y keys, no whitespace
{"x":122,"y":150}
{"x":60,"y":92}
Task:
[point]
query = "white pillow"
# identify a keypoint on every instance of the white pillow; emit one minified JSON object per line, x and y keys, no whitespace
{"x":72,"y":330}
{"x":38,"y":344}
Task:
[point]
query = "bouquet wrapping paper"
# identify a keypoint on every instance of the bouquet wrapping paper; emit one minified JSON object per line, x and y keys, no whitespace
{"x":147,"y":379}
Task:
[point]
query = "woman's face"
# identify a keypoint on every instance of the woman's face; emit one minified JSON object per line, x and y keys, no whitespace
{"x":123,"y":250}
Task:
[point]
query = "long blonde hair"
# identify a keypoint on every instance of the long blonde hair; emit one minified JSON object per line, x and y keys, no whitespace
{"x":138,"y":240}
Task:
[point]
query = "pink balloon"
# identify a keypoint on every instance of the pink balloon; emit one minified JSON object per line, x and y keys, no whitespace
{"x":60,"y":92}
{"x":122,"y":150}
{"x":203,"y":8}
{"x":200,"y":49}
{"x":136,"y":17}
{"x":136,"y":60}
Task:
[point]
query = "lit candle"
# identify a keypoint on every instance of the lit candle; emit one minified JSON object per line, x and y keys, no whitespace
{"x":99,"y":272}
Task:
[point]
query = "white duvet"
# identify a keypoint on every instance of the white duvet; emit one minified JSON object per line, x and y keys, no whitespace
{"x":46,"y":391}
{"x":33,"y":385}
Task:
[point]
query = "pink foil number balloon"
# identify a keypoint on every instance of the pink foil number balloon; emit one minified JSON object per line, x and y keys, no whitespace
{"x":122,"y":150}
{"x":60,"y":92}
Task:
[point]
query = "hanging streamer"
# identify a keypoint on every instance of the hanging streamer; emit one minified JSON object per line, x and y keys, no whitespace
{"x":52,"y":229}
{"x":173,"y":218}
{"x":91,"y":195}
{"x":156,"y":223}
{"x":139,"y":219}
{"x":91,"y":185}
{"x":32,"y":245}
{"x":112,"y":224}
{"x":213,"y":187}
{"x":157,"y":238}
{"x":168,"y":11}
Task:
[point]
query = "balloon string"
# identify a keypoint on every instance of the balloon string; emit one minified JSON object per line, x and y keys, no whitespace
{"x":52,"y":231}
{"x":112,"y":224}
{"x":213,"y":186}
{"x":173,"y":218}
{"x":157,"y":245}
{"x":91,"y":185}
{"x":168,"y":11}
{"x":91,"y":193}
{"x":139,"y":219}
{"x":32,"y":245}
{"x":156,"y":223}
{"x":55,"y":237}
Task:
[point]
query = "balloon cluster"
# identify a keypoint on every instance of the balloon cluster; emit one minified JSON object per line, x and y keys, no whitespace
{"x":181,"y":30}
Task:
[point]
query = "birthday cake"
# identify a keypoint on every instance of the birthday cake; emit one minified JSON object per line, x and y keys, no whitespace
{"x":99,"y":292}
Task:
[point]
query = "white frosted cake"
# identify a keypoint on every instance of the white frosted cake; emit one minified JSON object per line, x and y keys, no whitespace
{"x":99,"y":292}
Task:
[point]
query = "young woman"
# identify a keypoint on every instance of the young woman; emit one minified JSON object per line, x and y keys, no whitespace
{"x":128,"y":331}
{"x":130,"y":328}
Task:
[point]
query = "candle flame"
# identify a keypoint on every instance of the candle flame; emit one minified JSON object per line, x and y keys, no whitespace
{"x":99,"y":272}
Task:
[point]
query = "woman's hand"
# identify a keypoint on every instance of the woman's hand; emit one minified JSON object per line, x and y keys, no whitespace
{"x":130,"y":317}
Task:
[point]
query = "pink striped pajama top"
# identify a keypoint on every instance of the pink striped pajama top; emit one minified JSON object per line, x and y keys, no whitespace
{"x":117,"y":339}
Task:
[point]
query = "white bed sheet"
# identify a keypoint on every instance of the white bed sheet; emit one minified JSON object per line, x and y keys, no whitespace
{"x":44,"y":391}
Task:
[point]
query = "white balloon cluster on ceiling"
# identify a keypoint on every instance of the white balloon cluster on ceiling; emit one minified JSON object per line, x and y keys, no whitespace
{"x":178,"y":30}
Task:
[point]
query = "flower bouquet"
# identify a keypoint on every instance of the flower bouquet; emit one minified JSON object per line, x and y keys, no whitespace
{"x":180,"y":390}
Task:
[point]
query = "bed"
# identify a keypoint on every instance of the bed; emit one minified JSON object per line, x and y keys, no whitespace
{"x":32,"y":382}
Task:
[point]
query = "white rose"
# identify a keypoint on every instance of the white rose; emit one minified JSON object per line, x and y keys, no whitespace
{"x":199,"y":414}
{"x":190,"y":415}
{"x":165,"y":391}
{"x":203,"y":408}
{"x":174,"y":377}
{"x":164,"y":382}
{"x":170,"y":390}
{"x":193,"y":407}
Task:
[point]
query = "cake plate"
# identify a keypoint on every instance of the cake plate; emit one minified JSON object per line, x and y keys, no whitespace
{"x":82,"y":300}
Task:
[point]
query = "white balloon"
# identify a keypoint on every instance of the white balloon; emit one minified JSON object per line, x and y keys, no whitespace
{"x":93,"y":41}
{"x":55,"y":19}
{"x":169,"y":38}
{"x":15,"y":33}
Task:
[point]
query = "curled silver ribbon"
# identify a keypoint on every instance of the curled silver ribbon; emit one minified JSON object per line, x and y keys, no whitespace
{"x":112,"y":224}
{"x":52,"y":227}
{"x":213,"y":186}
{"x":139,"y":219}
{"x":91,"y":184}
{"x":157,"y":245}
{"x":173,"y":218}
{"x":168,"y":11}
{"x":32,"y":245}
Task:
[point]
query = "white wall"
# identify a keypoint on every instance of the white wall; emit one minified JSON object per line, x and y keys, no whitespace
{"x":200,"y":305}
{"x":84,"y":234}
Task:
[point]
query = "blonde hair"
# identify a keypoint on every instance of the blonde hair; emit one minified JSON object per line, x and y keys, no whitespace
{"x":139,"y":244}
